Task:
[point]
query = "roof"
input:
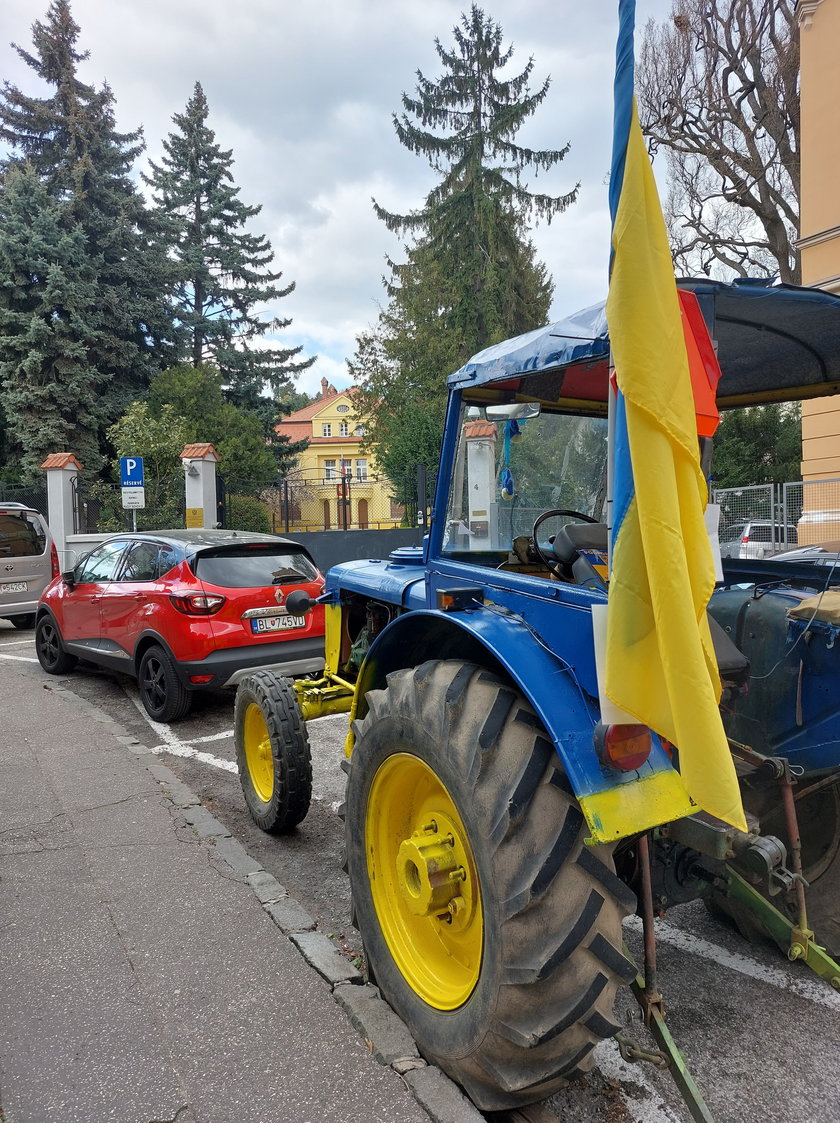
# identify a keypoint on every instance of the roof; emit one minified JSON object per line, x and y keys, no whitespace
{"x":314,"y":408}
{"x":774,"y":342}
{"x":62,"y":460}
{"x":199,"y":452}
{"x":210,"y":538}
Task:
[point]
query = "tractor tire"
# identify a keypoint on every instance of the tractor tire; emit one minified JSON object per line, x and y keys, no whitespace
{"x":272,"y":752}
{"x":164,"y":696}
{"x":49,"y":648}
{"x":488,"y":925}
{"x":818,"y":815}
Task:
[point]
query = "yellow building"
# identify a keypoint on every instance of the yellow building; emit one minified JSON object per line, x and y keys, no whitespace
{"x":335,"y":485}
{"x":819,"y":246}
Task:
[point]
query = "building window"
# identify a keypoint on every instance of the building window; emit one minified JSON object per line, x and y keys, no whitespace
{"x":361,"y":469}
{"x":344,"y":429}
{"x":329,"y":471}
{"x":360,"y":430}
{"x":326,"y":429}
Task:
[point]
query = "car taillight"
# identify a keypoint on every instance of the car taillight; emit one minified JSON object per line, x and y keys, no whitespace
{"x":54,"y":565}
{"x":197,"y":604}
{"x":626,"y":747}
{"x":745,"y":541}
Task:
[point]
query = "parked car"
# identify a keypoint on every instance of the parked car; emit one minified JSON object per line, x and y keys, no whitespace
{"x":756,"y":538}
{"x":28,"y":562}
{"x":183,"y":610}
{"x":824,"y":553}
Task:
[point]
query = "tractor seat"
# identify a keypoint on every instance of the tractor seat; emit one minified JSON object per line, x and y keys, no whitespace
{"x":733,"y":665}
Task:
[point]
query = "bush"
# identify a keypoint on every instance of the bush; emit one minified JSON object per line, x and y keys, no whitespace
{"x":244,"y":512}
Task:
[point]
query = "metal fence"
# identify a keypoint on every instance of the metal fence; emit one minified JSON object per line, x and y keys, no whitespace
{"x":330,"y":499}
{"x":97,"y":507}
{"x":34,"y":495}
{"x":766,"y":519}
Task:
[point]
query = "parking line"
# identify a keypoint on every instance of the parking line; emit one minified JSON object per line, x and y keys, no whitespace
{"x":19,"y":658}
{"x":172,"y":743}
{"x":805,"y":986}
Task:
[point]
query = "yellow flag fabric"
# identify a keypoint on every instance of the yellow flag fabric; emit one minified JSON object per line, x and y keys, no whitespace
{"x":660,"y":663}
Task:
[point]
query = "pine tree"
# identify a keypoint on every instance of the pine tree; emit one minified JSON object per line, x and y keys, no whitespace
{"x":48,"y":387}
{"x":225,"y":272}
{"x":121,"y":323}
{"x":471,"y":277}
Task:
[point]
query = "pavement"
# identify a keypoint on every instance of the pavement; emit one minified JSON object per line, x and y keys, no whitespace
{"x":151,"y":971}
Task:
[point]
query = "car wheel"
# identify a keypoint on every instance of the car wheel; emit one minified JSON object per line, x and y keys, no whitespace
{"x":272,"y":752}
{"x":164,"y":696}
{"x":50,"y":649}
{"x":23,"y":623}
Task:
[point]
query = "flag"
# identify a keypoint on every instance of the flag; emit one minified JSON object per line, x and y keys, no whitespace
{"x":660,"y":663}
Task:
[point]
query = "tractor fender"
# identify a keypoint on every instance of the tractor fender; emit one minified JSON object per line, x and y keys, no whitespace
{"x":615,"y":804}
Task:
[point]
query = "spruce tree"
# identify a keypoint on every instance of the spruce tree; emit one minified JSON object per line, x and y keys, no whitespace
{"x":48,"y":387}
{"x":121,"y":321}
{"x":470,"y":277}
{"x":225,"y":273}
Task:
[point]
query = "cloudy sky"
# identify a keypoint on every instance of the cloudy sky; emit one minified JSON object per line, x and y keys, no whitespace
{"x":303,"y":93}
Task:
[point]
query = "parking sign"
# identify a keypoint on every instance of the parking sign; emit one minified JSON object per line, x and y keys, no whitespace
{"x":131,"y":471}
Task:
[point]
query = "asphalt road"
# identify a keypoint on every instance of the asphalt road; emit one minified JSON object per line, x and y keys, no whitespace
{"x":760,"y":1035}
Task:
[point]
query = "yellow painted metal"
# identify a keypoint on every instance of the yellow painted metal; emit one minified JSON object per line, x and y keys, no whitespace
{"x":630,"y":808}
{"x":332,"y":637}
{"x":423,"y":881}
{"x":258,"y":755}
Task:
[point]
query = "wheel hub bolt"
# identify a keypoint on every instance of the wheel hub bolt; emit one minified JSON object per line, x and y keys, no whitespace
{"x":426,"y":863}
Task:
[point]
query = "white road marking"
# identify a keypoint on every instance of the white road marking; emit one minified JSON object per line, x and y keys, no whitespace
{"x":16,"y":642}
{"x":172,"y":743}
{"x":614,"y":1067}
{"x":19,"y":658}
{"x":808,"y":986}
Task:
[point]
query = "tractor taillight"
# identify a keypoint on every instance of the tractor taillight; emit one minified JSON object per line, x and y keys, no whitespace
{"x":626,"y":747}
{"x":197,"y":604}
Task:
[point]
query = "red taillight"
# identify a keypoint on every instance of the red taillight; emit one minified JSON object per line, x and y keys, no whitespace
{"x":626,"y":747}
{"x":200,"y":680}
{"x":56,"y":568}
{"x":745,"y":541}
{"x":197,"y":604}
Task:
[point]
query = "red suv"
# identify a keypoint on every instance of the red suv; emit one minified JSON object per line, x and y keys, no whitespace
{"x":183,"y":610}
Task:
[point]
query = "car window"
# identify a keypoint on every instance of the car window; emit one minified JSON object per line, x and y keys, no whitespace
{"x":101,"y":563}
{"x":141,"y":562}
{"x":732,"y":533}
{"x":762,"y":533}
{"x":167,"y":558}
{"x":248,"y":567}
{"x":21,"y":535}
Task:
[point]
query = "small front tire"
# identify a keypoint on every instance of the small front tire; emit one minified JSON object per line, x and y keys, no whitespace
{"x":23,"y":623}
{"x":272,"y":752}
{"x":164,"y":696}
{"x":49,"y":648}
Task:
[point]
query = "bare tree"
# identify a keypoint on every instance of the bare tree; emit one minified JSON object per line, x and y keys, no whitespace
{"x":718,"y":89}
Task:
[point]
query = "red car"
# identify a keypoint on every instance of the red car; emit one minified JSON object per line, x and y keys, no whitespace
{"x":183,"y":610}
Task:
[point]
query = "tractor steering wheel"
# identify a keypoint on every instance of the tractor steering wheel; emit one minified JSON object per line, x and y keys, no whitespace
{"x":551,"y":563}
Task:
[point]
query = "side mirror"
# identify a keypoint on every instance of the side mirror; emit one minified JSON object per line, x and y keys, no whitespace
{"x":69,"y":578}
{"x":299,"y":602}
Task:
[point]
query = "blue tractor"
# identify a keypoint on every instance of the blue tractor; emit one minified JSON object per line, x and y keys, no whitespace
{"x":497,"y":829}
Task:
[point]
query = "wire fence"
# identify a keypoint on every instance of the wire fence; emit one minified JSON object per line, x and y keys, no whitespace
{"x":33,"y":495}
{"x":768,"y":519}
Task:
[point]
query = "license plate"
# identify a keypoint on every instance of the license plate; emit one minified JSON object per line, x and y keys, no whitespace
{"x":14,"y":587}
{"x":277,"y":623}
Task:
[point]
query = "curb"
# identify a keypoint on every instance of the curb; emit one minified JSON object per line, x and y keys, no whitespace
{"x":385,"y":1034}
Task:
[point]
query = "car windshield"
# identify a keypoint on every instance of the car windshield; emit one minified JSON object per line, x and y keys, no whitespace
{"x":247,"y":567}
{"x":21,"y":534}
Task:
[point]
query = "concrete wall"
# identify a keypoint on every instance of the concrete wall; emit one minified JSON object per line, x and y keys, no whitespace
{"x":329,"y":547}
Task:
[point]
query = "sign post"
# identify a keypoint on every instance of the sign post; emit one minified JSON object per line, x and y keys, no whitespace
{"x":133,"y":487}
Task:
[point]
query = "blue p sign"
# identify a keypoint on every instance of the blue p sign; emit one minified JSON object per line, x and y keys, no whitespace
{"x":131,"y":471}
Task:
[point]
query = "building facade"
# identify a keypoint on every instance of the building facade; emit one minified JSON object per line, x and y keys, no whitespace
{"x":335,"y":485}
{"x":819,"y":247}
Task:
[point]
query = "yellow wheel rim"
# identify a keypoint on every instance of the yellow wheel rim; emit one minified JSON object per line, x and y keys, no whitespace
{"x":423,"y":881}
{"x":258,"y":755}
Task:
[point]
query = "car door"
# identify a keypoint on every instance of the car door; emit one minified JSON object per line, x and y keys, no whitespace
{"x":128,"y":600}
{"x":80,"y":618}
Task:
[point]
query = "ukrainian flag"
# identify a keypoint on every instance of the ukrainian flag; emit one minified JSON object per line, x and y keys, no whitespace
{"x":660,"y":664}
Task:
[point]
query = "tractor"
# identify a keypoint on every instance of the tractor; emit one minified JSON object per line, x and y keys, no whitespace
{"x":498,"y":830}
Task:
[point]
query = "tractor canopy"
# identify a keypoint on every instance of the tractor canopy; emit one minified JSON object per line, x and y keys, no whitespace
{"x":774,"y":343}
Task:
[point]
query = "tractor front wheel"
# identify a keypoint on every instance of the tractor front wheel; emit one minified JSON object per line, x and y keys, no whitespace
{"x":489,"y":926}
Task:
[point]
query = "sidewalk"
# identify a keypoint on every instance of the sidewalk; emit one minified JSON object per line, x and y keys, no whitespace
{"x":146,"y":973}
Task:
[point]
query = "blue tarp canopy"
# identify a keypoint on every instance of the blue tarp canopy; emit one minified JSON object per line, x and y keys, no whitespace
{"x":774,"y":343}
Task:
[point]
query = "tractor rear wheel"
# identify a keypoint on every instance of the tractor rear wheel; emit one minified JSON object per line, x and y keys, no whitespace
{"x":489,"y":926}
